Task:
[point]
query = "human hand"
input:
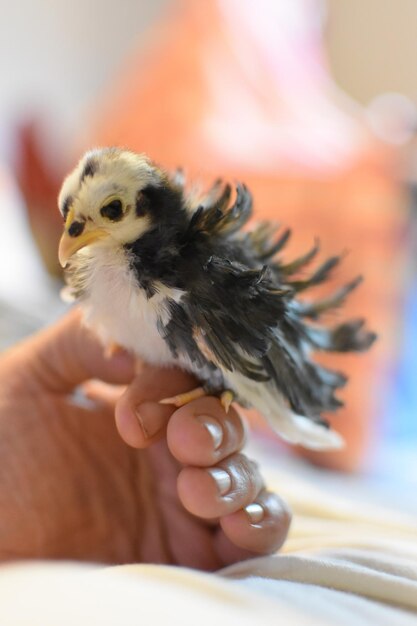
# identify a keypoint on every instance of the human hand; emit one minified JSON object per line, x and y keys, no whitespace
{"x":71,"y":488}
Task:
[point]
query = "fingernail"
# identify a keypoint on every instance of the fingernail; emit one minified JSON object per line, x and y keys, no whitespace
{"x":213,"y":428}
{"x":115,"y":352}
{"x":112,"y":350}
{"x":121,"y":358}
{"x":147,"y":418}
{"x":222,"y":480}
{"x":255,"y":512}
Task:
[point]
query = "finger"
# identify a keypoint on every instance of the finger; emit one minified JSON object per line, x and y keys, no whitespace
{"x":140,"y":419}
{"x":103,"y":393}
{"x":260,"y":528}
{"x":220,"y":490}
{"x":202,"y":434}
{"x":66,"y":354}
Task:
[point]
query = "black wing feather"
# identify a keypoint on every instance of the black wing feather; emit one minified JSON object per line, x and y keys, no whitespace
{"x":243,"y":300}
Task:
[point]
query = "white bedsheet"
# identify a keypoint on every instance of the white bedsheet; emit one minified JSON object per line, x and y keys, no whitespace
{"x":346,"y":562}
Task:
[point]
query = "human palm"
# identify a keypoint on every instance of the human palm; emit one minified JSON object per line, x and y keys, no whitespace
{"x":71,"y":488}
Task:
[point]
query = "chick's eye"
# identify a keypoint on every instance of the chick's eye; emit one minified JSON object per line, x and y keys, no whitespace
{"x":112,"y":211}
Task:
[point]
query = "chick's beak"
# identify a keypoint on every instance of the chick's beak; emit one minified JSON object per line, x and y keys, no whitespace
{"x":77,"y":235}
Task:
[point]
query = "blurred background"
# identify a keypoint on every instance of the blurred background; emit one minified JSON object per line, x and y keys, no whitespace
{"x":312,"y":103}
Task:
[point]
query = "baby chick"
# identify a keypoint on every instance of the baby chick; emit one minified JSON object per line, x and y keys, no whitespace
{"x":178,"y":282}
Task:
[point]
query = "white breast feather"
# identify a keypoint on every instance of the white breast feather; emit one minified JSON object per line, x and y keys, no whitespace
{"x":120,"y":312}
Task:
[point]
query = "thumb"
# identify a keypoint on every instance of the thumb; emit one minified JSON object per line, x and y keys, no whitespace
{"x":67,"y":353}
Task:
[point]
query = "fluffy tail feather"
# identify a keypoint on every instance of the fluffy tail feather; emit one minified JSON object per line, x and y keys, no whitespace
{"x":300,"y":430}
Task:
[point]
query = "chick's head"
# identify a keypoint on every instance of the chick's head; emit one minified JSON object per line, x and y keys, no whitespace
{"x":105,"y":200}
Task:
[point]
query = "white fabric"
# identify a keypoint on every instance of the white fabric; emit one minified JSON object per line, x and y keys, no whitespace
{"x":344,"y":563}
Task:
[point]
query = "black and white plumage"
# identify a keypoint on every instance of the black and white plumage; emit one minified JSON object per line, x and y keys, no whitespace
{"x":177,"y":281}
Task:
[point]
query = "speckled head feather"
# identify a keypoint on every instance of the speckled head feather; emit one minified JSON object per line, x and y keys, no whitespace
{"x":106,"y":176}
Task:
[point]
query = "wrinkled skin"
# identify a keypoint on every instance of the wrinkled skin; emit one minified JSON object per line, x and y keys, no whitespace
{"x":93,"y":482}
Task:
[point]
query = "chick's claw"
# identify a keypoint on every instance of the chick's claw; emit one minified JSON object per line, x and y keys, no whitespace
{"x":184,"y":398}
{"x":226,"y":399}
{"x":112,"y":349}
